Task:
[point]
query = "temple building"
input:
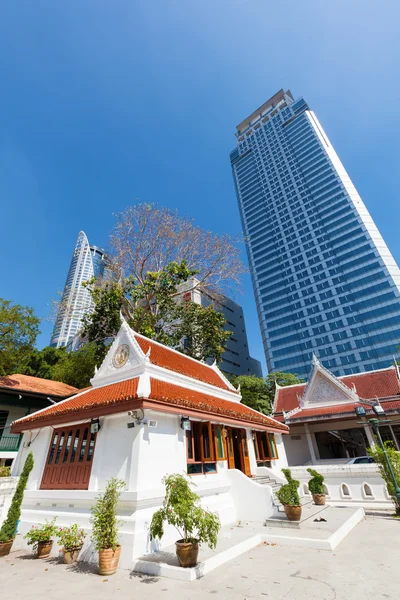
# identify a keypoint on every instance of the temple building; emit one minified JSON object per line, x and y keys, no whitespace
{"x":151,"y":411}
{"x":322,"y":415}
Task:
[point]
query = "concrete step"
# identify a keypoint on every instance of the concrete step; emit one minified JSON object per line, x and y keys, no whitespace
{"x":310,"y":512}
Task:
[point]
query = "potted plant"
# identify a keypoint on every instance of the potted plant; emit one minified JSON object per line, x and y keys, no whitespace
{"x":181,"y":508}
{"x":316,"y":487}
{"x":289,"y":497}
{"x":8,"y":530}
{"x":71,"y":539}
{"x":105,"y":527}
{"x":39,"y":536}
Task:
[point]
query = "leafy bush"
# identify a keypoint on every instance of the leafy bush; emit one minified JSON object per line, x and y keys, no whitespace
{"x":8,"y":530}
{"x":5,"y":471}
{"x":71,"y":537}
{"x":288,"y":494}
{"x":181,"y":508}
{"x":315,"y":485}
{"x":41,"y":533}
{"x":377,"y":453}
{"x":104,"y":516}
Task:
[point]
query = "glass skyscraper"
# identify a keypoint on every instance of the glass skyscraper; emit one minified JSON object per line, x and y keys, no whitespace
{"x":87,"y":262}
{"x":324,"y":279}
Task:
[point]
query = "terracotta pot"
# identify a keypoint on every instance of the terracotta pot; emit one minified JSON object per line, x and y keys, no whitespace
{"x":44,"y":549}
{"x":319,"y":499}
{"x":71,"y":555}
{"x":293,"y":513}
{"x":5,"y":547}
{"x":108,"y":560}
{"x":187,"y":553}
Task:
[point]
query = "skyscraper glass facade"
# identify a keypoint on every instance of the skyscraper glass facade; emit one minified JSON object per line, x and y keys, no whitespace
{"x":87,"y":262}
{"x":324,"y":279}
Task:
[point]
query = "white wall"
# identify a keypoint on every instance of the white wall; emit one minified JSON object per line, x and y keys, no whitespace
{"x":297,"y":450}
{"x":354,"y":477}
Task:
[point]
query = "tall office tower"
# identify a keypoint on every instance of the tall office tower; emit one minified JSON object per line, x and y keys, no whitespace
{"x":324,"y":279}
{"x":236,"y":359}
{"x":87,"y":261}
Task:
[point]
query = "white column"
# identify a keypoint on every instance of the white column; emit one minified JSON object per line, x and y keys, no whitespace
{"x":394,"y":438}
{"x":310,"y":443}
{"x":370,"y":437}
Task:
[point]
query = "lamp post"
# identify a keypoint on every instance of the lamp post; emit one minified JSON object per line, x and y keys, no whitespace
{"x":374,"y":424}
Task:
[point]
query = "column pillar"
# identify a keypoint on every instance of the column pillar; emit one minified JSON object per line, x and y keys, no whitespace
{"x":369,"y":434}
{"x":310,"y":443}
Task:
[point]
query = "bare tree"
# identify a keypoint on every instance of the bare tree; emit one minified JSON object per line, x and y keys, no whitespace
{"x":147,"y":237}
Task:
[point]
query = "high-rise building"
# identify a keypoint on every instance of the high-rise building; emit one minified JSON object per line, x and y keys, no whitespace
{"x":236,"y":359}
{"x":87,"y":261}
{"x":324,"y":279}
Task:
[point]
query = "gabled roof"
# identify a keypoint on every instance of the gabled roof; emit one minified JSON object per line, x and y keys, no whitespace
{"x":171,"y":359}
{"x":370,"y":385}
{"x":36,"y":385}
{"x":162,"y":396}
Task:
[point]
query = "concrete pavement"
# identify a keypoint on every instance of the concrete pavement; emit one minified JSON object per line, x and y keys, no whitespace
{"x":364,"y":567}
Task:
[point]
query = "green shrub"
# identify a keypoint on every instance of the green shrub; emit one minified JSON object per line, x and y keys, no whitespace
{"x":41,"y":533}
{"x":71,"y":537}
{"x":8,"y":530}
{"x":377,"y":453}
{"x":5,"y":471}
{"x":315,"y":485}
{"x":181,"y":508}
{"x":104,"y":516}
{"x":288,"y":494}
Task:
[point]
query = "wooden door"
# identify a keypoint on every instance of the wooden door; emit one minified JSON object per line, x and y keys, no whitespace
{"x":229,"y":448}
{"x":244,"y":451}
{"x":69,"y":460}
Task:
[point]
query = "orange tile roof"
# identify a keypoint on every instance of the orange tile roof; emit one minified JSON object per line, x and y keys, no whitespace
{"x":173,"y":360}
{"x":369,"y":385}
{"x":169,"y":394}
{"x":36,"y":385}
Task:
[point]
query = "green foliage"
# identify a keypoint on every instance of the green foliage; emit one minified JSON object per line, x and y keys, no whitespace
{"x":9,"y":528}
{"x":394,"y":457}
{"x":202,"y":328}
{"x":315,"y":485}
{"x":259,"y":392}
{"x":181,"y":508}
{"x":74,"y":368}
{"x":149,"y":306}
{"x":19,"y":328}
{"x":41,"y":533}
{"x":71,"y":537}
{"x":5,"y":471}
{"x":288,"y":494}
{"x":104,"y":516}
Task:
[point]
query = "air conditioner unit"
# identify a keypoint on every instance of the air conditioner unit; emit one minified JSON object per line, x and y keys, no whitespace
{"x":151,"y":423}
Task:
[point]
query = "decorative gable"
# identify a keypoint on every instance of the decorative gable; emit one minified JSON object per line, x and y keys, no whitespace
{"x":325,"y":389}
{"x":124,"y":359}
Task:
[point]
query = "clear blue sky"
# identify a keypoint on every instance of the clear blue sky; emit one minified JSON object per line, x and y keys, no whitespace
{"x":103,"y":102}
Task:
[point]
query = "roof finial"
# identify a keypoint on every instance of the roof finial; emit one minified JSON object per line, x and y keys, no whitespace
{"x":315,"y":360}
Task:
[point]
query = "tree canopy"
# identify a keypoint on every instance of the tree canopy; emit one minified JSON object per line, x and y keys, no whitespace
{"x":153,"y":307}
{"x":19,"y":328}
{"x":259,"y":392}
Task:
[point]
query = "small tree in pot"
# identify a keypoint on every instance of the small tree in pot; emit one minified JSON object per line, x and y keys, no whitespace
{"x":289,"y":497}
{"x":105,"y":526}
{"x":8,"y":530}
{"x":181,"y":508}
{"x":316,"y":487}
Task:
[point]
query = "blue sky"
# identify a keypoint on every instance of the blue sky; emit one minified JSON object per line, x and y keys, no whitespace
{"x":106,"y":102}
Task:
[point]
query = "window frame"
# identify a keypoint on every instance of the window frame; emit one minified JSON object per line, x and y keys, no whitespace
{"x":259,"y":446}
{"x":197,"y":429}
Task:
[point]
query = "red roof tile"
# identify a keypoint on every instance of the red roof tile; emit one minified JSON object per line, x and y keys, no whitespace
{"x":369,"y":385}
{"x":37,"y":385}
{"x":91,"y":398}
{"x":171,"y":395}
{"x":173,"y":360}
{"x":325,"y":412}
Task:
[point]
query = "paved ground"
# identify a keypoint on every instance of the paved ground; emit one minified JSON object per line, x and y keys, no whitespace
{"x":366,"y":566}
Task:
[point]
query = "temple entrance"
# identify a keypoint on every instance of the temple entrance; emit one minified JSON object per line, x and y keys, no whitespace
{"x":237,"y":450}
